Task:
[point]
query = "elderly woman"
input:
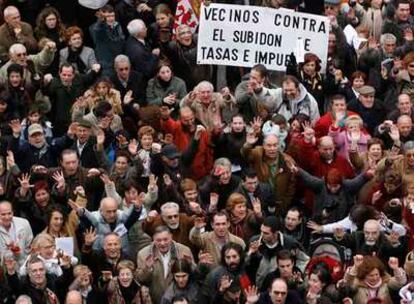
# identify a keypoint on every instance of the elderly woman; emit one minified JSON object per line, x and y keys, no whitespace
{"x":352,"y":138}
{"x":212,"y":109}
{"x":44,"y":246}
{"x":375,"y":152}
{"x":368,"y":277}
{"x":82,"y":57}
{"x":244,"y":222}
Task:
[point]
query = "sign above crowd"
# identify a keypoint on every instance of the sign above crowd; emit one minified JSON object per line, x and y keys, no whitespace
{"x":240,"y":35}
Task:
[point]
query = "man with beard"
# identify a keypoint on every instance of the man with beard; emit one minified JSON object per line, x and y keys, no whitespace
{"x":219,"y":281}
{"x":372,"y":241}
{"x":263,"y":249}
{"x":38,"y":150}
{"x":154,"y":262}
{"x":179,"y":223}
{"x":289,"y":100}
{"x":192,"y":140}
{"x":213,"y":241}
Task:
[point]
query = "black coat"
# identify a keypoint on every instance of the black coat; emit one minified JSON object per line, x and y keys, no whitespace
{"x":90,"y":157}
{"x":142,"y":59}
{"x":372,"y":117}
{"x":264,"y":193}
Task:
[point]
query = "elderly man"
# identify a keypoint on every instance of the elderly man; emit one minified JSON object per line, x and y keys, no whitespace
{"x":15,"y":234}
{"x":138,"y":50}
{"x":30,"y":63}
{"x":187,"y":135}
{"x":74,"y":297}
{"x":371,"y":110}
{"x":182,"y":53}
{"x":396,"y":134}
{"x":271,"y":167}
{"x":14,"y":30}
{"x":211,"y":242}
{"x":39,"y":150}
{"x":104,"y":260}
{"x":210,"y":108}
{"x":179,"y":223}
{"x":372,"y":241}
{"x":155,"y":260}
{"x":404,"y":107}
{"x":109,"y":219}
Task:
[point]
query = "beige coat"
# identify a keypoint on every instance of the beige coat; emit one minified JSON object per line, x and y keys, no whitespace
{"x":154,"y":278}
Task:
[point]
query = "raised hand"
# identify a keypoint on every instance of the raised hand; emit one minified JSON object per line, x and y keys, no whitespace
{"x":199,"y":222}
{"x":100,"y":137}
{"x":75,"y":207}
{"x":393,"y":263}
{"x":25,"y":184}
{"x":316,"y":228}
{"x":167,"y":180}
{"x":195,"y":207}
{"x":205,"y":257}
{"x":252,"y":295}
{"x":225,"y":283}
{"x":93,"y":172}
{"x":376,"y":196}
{"x":128,"y":98}
{"x":256,"y":124}
{"x":358,"y":260}
{"x":149,"y":261}
{"x":122,"y":141}
{"x":60,"y":181}
{"x":133,"y":147}
{"x":214,"y":198}
{"x":200,"y":129}
{"x":153,"y":182}
{"x":393,"y":238}
{"x":106,"y":180}
{"x":254,"y":246}
{"x":10,"y":159}
{"x":79,"y":190}
{"x":90,"y":236}
{"x":139,"y":201}
{"x":257,"y":206}
{"x":16,"y":126}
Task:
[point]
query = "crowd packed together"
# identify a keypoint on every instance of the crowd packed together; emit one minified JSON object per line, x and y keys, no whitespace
{"x":131,"y":174}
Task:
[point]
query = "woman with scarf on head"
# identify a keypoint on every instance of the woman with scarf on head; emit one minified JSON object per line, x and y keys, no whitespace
{"x":80,"y":56}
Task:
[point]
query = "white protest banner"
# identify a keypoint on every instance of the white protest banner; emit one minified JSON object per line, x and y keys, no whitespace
{"x":240,"y":35}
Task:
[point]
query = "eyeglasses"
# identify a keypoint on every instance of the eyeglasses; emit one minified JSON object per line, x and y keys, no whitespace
{"x":123,"y":69}
{"x":170,"y":217}
{"x":21,"y":54}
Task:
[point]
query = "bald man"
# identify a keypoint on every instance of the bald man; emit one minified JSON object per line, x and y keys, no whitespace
{"x":73,"y":297}
{"x":14,"y":30}
{"x":372,"y":241}
{"x":109,"y":219}
{"x":396,"y":134}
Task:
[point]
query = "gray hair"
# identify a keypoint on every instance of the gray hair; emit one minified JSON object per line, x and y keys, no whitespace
{"x":10,"y":10}
{"x":204,"y":84}
{"x":222,"y":161}
{"x":388,"y":38}
{"x":409,"y":145}
{"x":169,"y":205}
{"x":121,"y":58}
{"x":17,"y":48}
{"x":135,"y":26}
{"x":23,"y":299}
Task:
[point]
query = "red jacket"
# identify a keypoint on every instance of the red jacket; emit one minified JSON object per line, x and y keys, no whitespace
{"x":323,"y":123}
{"x":203,"y":160}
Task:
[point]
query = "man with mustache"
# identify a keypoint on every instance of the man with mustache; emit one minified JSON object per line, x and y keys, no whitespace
{"x":372,"y":241}
{"x":192,"y":140}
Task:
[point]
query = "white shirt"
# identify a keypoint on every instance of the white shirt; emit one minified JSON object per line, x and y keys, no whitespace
{"x":93,"y":4}
{"x":166,"y":258}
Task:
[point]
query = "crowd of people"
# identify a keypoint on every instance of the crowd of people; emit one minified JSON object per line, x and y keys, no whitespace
{"x":131,"y":174}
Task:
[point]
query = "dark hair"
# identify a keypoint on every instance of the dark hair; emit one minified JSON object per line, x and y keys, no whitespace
{"x":284,"y":254}
{"x":107,"y":8}
{"x":238,"y":115}
{"x":375,"y":141}
{"x":290,"y":78}
{"x":181,"y":265}
{"x":67,"y":152}
{"x":122,"y":153}
{"x":161,"y":229}
{"x":248,"y":172}
{"x":102,"y":108}
{"x":66,"y":65}
{"x":358,"y":74}
{"x":398,"y":2}
{"x":14,"y":67}
{"x":261,"y":69}
{"x":297,"y":209}
{"x":55,"y":208}
{"x":322,"y":271}
{"x":337,"y":97}
{"x":220,"y":213}
{"x":179,"y":298}
{"x":129,"y":184}
{"x":309,"y":57}
{"x":360,"y":213}
{"x":273,"y":223}
{"x":236,"y":247}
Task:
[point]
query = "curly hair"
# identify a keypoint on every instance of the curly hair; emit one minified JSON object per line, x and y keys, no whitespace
{"x":233,"y":200}
{"x":41,"y":28}
{"x":73,"y":30}
{"x":369,"y":264}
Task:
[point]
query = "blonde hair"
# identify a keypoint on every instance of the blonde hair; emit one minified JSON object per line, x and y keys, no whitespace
{"x":41,"y":239}
{"x":80,"y":269}
{"x":352,"y":120}
{"x":233,"y":200}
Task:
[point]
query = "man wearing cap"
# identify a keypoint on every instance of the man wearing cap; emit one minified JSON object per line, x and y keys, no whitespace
{"x":38,"y":150}
{"x":371,"y":110}
{"x":91,"y":153}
